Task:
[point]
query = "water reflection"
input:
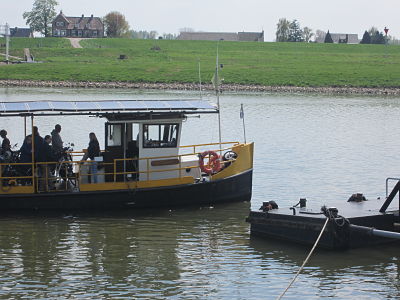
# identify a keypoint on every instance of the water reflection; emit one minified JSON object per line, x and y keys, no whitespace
{"x":189,"y":253}
{"x":320,"y":147}
{"x":363,"y":273}
{"x":130,"y":253}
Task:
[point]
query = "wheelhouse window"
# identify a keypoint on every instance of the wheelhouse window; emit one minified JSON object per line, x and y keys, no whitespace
{"x":114,"y":135}
{"x":160,"y":135}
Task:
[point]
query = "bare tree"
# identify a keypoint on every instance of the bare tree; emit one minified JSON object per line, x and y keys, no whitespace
{"x":169,"y":36}
{"x":372,"y":30}
{"x":116,"y":25}
{"x":186,"y":29}
{"x":143,"y":34}
{"x":282,"y":30}
{"x":320,"y":35}
{"x":307,"y":34}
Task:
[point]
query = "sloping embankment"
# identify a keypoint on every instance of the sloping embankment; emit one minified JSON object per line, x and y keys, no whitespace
{"x":193,"y":86}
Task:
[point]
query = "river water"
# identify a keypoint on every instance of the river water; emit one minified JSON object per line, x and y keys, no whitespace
{"x":321,"y":147}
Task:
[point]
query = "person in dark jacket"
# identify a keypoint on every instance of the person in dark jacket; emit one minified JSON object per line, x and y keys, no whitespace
{"x":40,"y":154}
{"x":93,"y":151}
{"x":26,"y":150}
{"x":25,"y":157}
{"x":57,"y":142}
{"x":5,"y":145}
{"x":40,"y":157}
{"x":49,"y":153}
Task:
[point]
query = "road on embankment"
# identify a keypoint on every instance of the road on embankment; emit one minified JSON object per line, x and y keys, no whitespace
{"x":75,"y":42}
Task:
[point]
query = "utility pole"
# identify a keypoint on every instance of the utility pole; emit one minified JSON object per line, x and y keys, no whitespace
{"x":386,"y":40}
{"x":218,"y":92}
{"x":7,"y":35}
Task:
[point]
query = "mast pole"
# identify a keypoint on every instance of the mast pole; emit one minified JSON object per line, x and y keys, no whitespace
{"x":244,"y":125}
{"x":7,"y":34}
{"x":201,"y":96}
{"x":33,"y":156}
{"x":219,"y":108}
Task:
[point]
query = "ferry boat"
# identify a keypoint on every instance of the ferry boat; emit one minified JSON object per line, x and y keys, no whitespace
{"x":143,"y":164}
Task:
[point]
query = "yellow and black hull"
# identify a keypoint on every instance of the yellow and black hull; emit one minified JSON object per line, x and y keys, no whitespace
{"x":234,"y":188}
{"x":234,"y":183}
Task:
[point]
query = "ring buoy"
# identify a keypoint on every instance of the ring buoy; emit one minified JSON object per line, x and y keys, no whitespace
{"x":214,"y":163}
{"x":7,"y":188}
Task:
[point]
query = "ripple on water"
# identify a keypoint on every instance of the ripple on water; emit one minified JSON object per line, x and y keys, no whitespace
{"x":320,"y":147}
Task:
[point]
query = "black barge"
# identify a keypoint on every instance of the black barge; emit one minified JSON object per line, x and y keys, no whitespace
{"x":351,"y":224}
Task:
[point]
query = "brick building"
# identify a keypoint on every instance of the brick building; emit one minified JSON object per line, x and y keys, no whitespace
{"x":84,"y":27}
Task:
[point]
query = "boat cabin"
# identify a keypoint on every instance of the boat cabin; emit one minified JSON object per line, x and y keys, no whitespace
{"x":157,"y":138}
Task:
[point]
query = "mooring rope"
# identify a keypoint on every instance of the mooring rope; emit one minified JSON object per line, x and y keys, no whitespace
{"x":305,"y":261}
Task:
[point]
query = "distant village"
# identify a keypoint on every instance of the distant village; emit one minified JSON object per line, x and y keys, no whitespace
{"x":287,"y":31}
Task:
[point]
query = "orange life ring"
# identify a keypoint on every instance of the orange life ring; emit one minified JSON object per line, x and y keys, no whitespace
{"x":214,"y":163}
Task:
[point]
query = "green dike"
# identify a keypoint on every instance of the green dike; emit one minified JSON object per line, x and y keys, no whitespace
{"x":247,"y":63}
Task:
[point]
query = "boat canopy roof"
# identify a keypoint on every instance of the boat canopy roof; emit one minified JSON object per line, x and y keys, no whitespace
{"x":105,"y":107}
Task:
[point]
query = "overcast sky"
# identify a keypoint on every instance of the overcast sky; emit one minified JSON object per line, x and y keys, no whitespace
{"x":168,"y":16}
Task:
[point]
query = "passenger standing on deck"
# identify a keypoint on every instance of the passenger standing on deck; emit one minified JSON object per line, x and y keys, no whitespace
{"x":5,"y":145}
{"x":25,"y":158}
{"x":48,"y":148}
{"x":93,"y":151}
{"x":50,"y":167}
{"x":26,"y":150}
{"x":39,"y":155}
{"x":57,"y":142}
{"x":39,"y":151}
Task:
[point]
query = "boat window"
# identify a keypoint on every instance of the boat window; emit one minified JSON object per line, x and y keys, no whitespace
{"x":160,"y":135}
{"x":114,"y":135}
{"x":135,"y":132}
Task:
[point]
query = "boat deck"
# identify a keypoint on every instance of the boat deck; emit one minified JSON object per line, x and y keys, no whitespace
{"x":346,"y":209}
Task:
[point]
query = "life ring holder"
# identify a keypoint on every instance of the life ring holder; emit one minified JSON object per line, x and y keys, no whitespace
{"x":214,"y":164}
{"x":7,"y":188}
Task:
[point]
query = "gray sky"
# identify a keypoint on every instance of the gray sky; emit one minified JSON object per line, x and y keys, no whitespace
{"x":168,"y":16}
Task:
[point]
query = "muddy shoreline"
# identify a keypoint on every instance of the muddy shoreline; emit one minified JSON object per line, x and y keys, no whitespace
{"x":208,"y":87}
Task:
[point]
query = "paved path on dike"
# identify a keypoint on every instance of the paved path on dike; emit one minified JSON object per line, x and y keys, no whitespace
{"x":16,"y":57}
{"x":75,"y":42}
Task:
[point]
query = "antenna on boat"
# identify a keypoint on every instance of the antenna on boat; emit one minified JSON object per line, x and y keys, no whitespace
{"x":242,"y":117}
{"x":201,"y":96}
{"x":216,"y":81}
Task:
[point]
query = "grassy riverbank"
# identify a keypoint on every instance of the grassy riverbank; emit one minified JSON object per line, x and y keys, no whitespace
{"x":245,"y":63}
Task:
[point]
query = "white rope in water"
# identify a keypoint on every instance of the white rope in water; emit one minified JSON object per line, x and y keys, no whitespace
{"x":305,"y":261}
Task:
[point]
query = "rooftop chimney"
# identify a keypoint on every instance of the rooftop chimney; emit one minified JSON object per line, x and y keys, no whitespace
{"x":83,"y":15}
{"x":91,"y":16}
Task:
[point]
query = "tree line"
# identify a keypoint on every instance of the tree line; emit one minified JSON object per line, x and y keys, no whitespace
{"x":373,"y":36}
{"x":291,"y":31}
{"x":43,"y":13}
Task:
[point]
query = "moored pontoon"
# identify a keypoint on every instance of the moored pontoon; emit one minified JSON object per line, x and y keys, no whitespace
{"x":352,"y":224}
